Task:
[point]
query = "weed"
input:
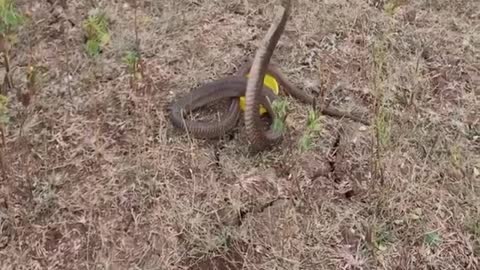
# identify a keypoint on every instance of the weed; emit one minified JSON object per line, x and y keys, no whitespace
{"x":312,"y":129}
{"x":3,"y":110}
{"x":280,"y":108}
{"x":382,"y":119}
{"x":10,"y":21}
{"x":379,"y":237}
{"x":131,"y":59}
{"x":382,"y":238}
{"x":25,"y":97}
{"x":432,"y":239}
{"x":97,"y":32}
{"x":391,"y":6}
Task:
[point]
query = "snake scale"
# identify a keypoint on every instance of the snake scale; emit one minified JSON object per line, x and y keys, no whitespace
{"x":237,"y":85}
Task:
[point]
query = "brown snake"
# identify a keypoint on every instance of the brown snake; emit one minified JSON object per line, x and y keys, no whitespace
{"x":252,"y":88}
{"x":260,"y":140}
{"x":231,"y":87}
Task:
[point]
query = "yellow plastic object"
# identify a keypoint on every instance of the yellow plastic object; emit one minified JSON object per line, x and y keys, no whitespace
{"x":271,"y":83}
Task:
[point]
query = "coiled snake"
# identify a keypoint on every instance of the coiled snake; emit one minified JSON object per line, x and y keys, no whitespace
{"x":255,"y":93}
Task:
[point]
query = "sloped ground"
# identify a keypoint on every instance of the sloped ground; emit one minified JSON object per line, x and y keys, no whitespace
{"x":97,"y":177}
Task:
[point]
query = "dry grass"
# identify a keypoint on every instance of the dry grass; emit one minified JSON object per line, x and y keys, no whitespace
{"x":97,"y":177}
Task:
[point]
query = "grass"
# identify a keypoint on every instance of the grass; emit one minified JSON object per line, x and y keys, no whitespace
{"x":312,"y":130}
{"x":96,"y":31}
{"x":10,"y":22}
{"x":4,"y":117}
{"x":97,"y":178}
{"x":280,"y":109}
{"x":11,"y":19}
{"x":432,"y":239}
{"x":131,"y":60}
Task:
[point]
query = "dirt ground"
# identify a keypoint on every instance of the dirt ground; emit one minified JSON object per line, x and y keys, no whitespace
{"x":96,"y":177}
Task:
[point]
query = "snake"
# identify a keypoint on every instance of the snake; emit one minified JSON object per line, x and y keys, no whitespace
{"x":231,"y":87}
{"x":237,"y":85}
{"x":260,"y":140}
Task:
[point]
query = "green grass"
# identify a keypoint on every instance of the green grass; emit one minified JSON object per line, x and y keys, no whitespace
{"x":4,"y":118}
{"x":280,"y":108}
{"x":131,"y":59}
{"x":97,"y":32}
{"x":383,"y":237}
{"x":11,"y":19}
{"x":391,"y":6}
{"x":312,"y":130}
{"x":382,"y":119}
{"x":432,"y":239}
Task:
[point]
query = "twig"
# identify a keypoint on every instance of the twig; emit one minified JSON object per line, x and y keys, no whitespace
{"x":7,"y":81}
{"x":137,"y":41}
{"x":5,"y":48}
{"x":2,"y":163}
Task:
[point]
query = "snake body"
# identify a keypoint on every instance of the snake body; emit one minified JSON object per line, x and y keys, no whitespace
{"x":256,"y":94}
{"x":230,"y":87}
{"x":259,"y":139}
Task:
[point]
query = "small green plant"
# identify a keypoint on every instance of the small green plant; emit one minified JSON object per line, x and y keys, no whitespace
{"x":10,"y":20}
{"x":382,"y":238}
{"x":391,"y":6}
{"x":378,"y":237}
{"x":312,"y":129}
{"x":97,"y":32}
{"x":382,"y":116}
{"x":26,"y":96}
{"x":432,"y":239}
{"x":3,"y":110}
{"x":131,"y":59}
{"x":280,"y":108}
{"x":382,"y":123}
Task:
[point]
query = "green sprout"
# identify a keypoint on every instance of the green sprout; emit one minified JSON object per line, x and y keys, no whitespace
{"x":280,"y":108}
{"x":131,"y":59}
{"x":9,"y":16}
{"x":4,"y":118}
{"x":96,"y":29}
{"x":313,"y":128}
